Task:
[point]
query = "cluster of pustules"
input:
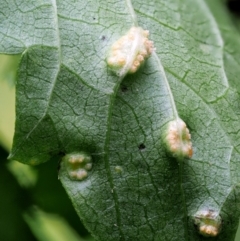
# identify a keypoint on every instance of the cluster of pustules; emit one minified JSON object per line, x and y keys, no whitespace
{"x":178,"y":139}
{"x":129,"y":52}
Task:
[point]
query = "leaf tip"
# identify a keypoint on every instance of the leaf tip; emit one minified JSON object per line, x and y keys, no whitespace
{"x":32,"y":161}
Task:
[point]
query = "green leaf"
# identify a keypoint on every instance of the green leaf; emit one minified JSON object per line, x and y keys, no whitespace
{"x":8,"y":66}
{"x":7,"y":116}
{"x":50,"y":227}
{"x":70,"y":102}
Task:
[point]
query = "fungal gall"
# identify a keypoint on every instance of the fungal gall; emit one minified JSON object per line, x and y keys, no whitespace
{"x":208,"y":223}
{"x":129,"y":52}
{"x":178,"y":139}
{"x":78,"y":165}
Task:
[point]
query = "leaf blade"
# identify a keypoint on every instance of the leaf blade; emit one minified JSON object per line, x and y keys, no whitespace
{"x":135,"y":181}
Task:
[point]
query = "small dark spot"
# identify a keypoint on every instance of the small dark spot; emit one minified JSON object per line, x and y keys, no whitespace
{"x":61,"y":154}
{"x":94,"y":18}
{"x":141,"y":147}
{"x":124,"y":88}
{"x":103,"y":38}
{"x":234,"y":6}
{"x":58,"y":166}
{"x":81,"y":87}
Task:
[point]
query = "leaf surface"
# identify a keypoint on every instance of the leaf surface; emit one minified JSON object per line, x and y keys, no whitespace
{"x":69,"y":101}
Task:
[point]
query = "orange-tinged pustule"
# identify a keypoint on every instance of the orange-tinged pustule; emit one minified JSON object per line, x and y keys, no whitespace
{"x":178,"y":139}
{"x":208,"y":222}
{"x":129,"y":52}
{"x":208,"y":230}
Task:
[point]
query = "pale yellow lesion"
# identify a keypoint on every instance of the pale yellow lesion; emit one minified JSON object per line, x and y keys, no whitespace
{"x":118,"y":169}
{"x":129,"y":52}
{"x":78,"y":165}
{"x":178,"y":139}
